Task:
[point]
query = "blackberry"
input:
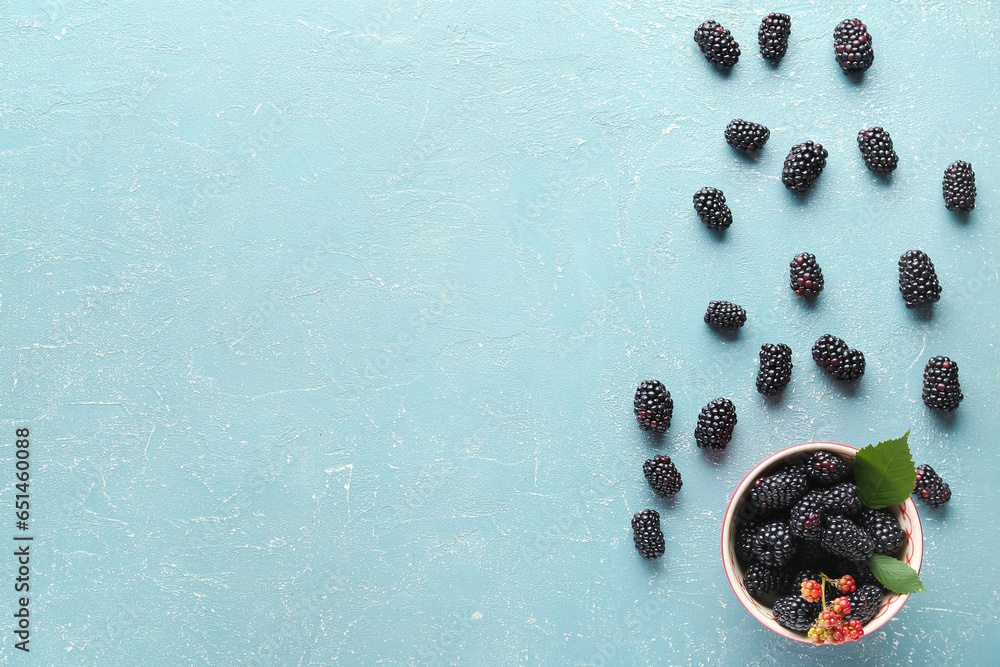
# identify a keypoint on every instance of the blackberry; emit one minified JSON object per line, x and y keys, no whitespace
{"x":832,"y":355}
{"x":795,"y":613}
{"x":715,"y":424}
{"x":884,"y":530}
{"x":746,"y":136}
{"x":719,"y":46}
{"x":865,"y":603}
{"x":805,"y":275}
{"x":806,"y":517}
{"x":710,"y":205}
{"x":745,"y":534}
{"x":959,"y":187}
{"x":930,"y":488}
{"x":876,"y":148}
{"x":853,"y":46}
{"x":725,"y":315}
{"x":653,"y":406}
{"x":760,"y":579}
{"x":842,"y":500}
{"x":918,"y":282}
{"x":775,"y":368}
{"x":942,"y":390}
{"x":804,"y":164}
{"x":826,"y":468}
{"x":647,"y":534}
{"x":778,"y":491}
{"x":860,"y":571}
{"x":662,"y":475}
{"x":844,"y":538}
{"x":774,"y":545}
{"x":773,"y":36}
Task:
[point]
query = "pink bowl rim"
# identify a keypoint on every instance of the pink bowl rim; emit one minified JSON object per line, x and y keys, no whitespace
{"x":890,"y":605}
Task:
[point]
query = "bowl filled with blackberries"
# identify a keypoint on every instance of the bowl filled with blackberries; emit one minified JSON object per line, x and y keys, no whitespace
{"x":822,"y":543}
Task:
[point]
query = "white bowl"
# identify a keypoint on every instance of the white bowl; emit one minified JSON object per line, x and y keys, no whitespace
{"x":905,"y":512}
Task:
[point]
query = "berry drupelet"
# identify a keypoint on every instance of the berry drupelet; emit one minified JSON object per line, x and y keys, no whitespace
{"x":942,"y":390}
{"x":918,"y":282}
{"x":774,"y":545}
{"x":826,"y":468}
{"x":884,"y":530}
{"x":778,"y":491}
{"x":773,"y":36}
{"x":805,"y":275}
{"x":834,"y":356}
{"x":746,"y":136}
{"x":715,"y":424}
{"x":853,"y":46}
{"x":725,"y":315}
{"x":775,"y":368}
{"x":746,"y":532}
{"x":719,"y":46}
{"x":804,"y":164}
{"x":959,"y":187}
{"x":760,"y":579}
{"x":710,"y":205}
{"x":876,"y":149}
{"x":806,"y":517}
{"x":795,"y":613}
{"x":930,"y":488}
{"x":647,"y":534}
{"x":662,"y":475}
{"x":844,"y":538}
{"x":653,"y":406}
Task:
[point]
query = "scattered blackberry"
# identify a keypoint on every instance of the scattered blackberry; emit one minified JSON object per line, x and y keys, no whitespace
{"x":832,"y":355}
{"x":774,"y":545}
{"x":662,"y":475}
{"x":710,"y":205}
{"x":775,"y":368}
{"x":930,"y":488}
{"x":826,"y":468}
{"x":778,"y":491}
{"x":647,"y":534}
{"x":725,"y":315}
{"x":853,"y":46}
{"x":806,"y":518}
{"x":795,"y":613}
{"x":715,"y":424}
{"x":718,"y":45}
{"x":762,"y":580}
{"x":804,"y":164}
{"x":918,"y":282}
{"x":884,"y":530}
{"x":653,"y":406}
{"x":959,"y":187}
{"x":805,"y":274}
{"x":876,"y":148}
{"x":745,"y":535}
{"x":865,"y":603}
{"x":942,"y":390}
{"x":746,"y":136}
{"x":773,"y":36}
{"x":844,"y":538}
{"x":842,"y":500}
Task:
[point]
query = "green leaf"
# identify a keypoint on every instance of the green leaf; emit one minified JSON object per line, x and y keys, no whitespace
{"x":885,"y":473}
{"x":896,"y":575}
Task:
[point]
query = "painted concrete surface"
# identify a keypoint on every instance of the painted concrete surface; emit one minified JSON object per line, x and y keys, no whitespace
{"x":326,"y":319}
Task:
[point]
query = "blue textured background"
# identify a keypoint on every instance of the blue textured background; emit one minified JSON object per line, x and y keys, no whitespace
{"x":326,"y":320}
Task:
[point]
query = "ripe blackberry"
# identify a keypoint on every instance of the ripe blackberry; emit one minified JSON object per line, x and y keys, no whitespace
{"x":805,"y":274}
{"x":774,"y":545}
{"x":662,"y":475}
{"x":930,"y":488}
{"x":647,"y":534}
{"x":804,"y":164}
{"x":959,"y":187}
{"x":725,"y":315}
{"x":918,"y":282}
{"x":773,"y":36}
{"x":876,"y":148}
{"x":746,"y":532}
{"x":778,"y":491}
{"x":844,"y":538}
{"x":865,"y":603}
{"x":806,"y":517}
{"x":842,"y":500}
{"x":653,"y":406}
{"x":884,"y":530}
{"x":942,"y":390}
{"x":795,"y":613}
{"x":715,"y":424}
{"x":710,"y":205}
{"x":853,"y":46}
{"x":760,"y":579}
{"x":775,"y":368}
{"x":718,"y":45}
{"x":746,"y":136}
{"x":826,"y":468}
{"x":832,"y":355}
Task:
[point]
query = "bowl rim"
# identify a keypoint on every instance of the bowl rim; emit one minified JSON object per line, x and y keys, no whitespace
{"x":891,"y":604}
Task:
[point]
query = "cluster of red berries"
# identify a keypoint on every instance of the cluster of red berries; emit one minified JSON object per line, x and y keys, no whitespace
{"x":830,"y":626}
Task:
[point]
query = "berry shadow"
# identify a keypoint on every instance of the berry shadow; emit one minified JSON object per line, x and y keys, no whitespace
{"x":774,"y":401}
{"x":656,"y":439}
{"x":809,"y":302}
{"x":946,"y":419}
{"x":715,"y":456}
{"x":884,"y":179}
{"x":731,"y":335}
{"x":963,"y":218}
{"x":856,"y":79}
{"x":751,"y":157}
{"x":851,"y":389}
{"x":922,"y":313}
